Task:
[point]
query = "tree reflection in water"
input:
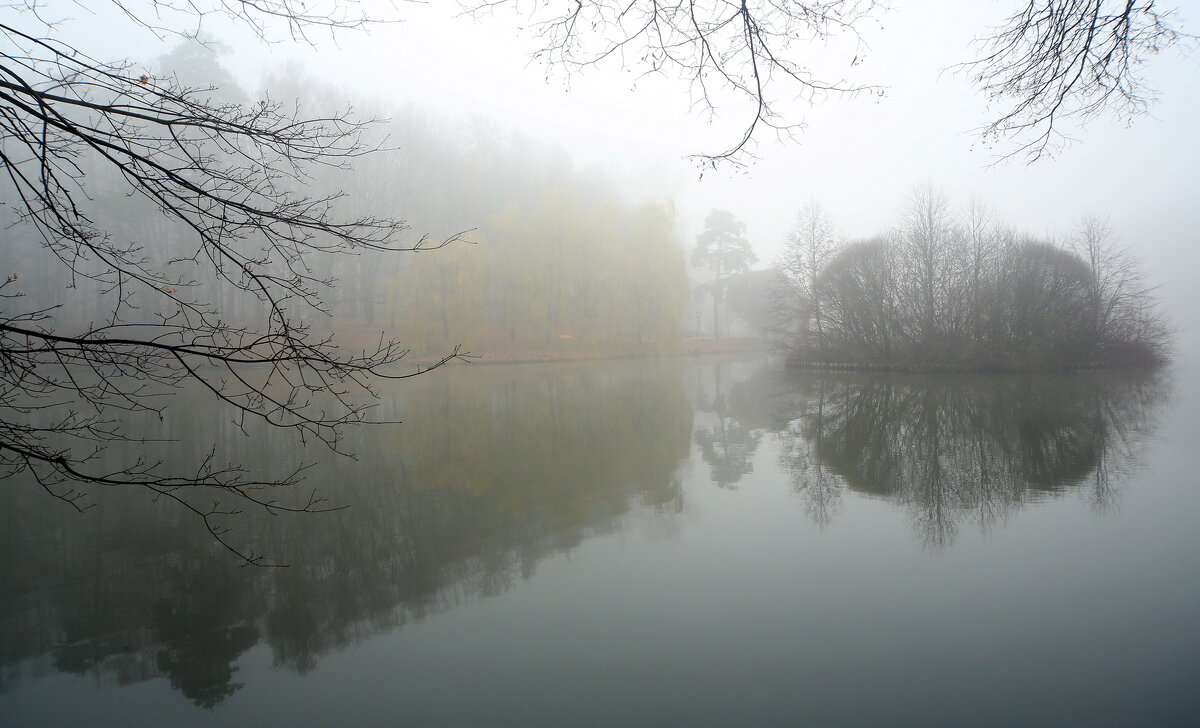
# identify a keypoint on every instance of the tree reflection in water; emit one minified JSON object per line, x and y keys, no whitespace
{"x":952,"y":448}
{"x":507,"y":466}
{"x":727,"y":442}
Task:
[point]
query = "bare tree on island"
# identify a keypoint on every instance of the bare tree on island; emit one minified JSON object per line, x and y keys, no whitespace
{"x":928,"y":240}
{"x":723,"y":249}
{"x":807,"y":251}
{"x":983,"y":245}
{"x":149,"y":318}
{"x":1121,"y":319}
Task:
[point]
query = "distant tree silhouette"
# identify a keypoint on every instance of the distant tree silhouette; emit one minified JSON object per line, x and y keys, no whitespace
{"x":722,"y":249}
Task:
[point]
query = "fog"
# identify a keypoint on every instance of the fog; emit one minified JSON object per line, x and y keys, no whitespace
{"x":859,"y":156}
{"x":826,"y":376}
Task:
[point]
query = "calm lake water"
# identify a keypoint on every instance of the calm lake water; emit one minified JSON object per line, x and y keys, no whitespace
{"x":648,"y":544}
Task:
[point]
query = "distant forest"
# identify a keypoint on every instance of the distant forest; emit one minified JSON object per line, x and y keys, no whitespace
{"x":547,"y":257}
{"x":947,"y":290}
{"x":516,"y":251}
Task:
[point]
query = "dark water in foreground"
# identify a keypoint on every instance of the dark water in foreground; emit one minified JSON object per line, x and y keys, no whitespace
{"x":657,"y":544}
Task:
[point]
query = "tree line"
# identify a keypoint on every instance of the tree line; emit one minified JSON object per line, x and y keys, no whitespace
{"x":963,"y":290}
{"x":546,"y":259}
{"x":562,"y":272}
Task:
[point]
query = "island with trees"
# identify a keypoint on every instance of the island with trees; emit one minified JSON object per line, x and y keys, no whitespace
{"x":942,"y":291}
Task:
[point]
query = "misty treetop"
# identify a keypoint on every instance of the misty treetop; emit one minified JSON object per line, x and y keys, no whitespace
{"x":722,"y":248}
{"x":964,"y":291}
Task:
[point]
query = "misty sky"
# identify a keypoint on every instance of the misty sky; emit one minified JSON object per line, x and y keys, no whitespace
{"x":858,"y":156}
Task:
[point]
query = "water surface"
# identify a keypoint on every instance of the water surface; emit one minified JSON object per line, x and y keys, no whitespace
{"x":647,"y":543}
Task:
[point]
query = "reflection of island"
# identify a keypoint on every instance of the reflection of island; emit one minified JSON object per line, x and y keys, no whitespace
{"x":950,"y":449}
{"x":499,"y":469}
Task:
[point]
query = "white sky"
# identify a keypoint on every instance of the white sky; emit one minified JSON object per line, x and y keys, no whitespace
{"x":859,"y":157}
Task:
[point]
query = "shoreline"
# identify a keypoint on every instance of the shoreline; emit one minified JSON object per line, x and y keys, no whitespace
{"x":899,"y":368}
{"x":686,"y":348}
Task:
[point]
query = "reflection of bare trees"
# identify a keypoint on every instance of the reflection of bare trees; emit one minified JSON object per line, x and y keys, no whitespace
{"x":811,"y":478}
{"x":952,"y":450}
{"x":509,"y":467}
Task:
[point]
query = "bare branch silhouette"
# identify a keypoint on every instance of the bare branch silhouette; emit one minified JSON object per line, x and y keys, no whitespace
{"x":233,"y":177}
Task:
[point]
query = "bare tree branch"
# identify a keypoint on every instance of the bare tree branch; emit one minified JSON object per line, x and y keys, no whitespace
{"x":1050,"y":62}
{"x":743,"y":52}
{"x":1068,"y":60}
{"x":233,"y":178}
